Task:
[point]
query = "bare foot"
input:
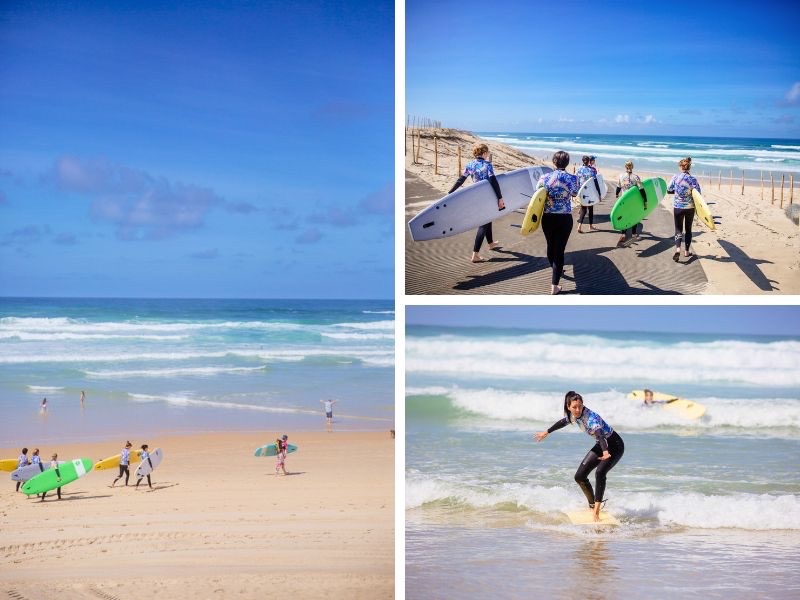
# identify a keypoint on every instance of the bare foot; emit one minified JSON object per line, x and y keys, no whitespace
{"x":477,"y":258}
{"x":555,"y":290}
{"x":593,"y":228}
{"x":494,"y":245}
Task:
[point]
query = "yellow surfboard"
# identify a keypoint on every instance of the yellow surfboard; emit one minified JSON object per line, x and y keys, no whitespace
{"x":533,"y":216}
{"x":9,"y":464}
{"x":685,"y":408}
{"x":113,"y":461}
{"x":702,"y":211}
{"x":586,"y":517}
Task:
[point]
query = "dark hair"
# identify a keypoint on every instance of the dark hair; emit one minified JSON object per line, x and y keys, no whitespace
{"x":568,"y":400}
{"x":561,"y":159}
{"x":646,"y":391}
{"x":145,"y":446}
{"x":24,"y":450}
{"x":586,"y":159}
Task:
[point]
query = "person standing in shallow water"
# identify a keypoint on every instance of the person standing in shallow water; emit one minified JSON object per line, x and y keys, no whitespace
{"x":557,"y":217}
{"x":683,"y":206}
{"x":480,"y":169}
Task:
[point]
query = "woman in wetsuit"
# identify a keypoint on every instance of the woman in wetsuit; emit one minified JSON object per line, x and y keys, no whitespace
{"x":584,"y":174}
{"x":683,"y":206}
{"x":480,"y":168}
{"x":603,"y":455}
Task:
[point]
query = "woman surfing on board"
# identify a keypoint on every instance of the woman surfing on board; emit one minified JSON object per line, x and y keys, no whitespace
{"x":603,"y":455}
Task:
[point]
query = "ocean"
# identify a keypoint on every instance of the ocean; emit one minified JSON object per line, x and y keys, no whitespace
{"x":150,"y":366}
{"x":708,"y":508}
{"x":660,"y":154}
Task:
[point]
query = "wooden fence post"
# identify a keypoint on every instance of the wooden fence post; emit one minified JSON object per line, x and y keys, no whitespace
{"x":772,"y":181}
{"x":459,"y":161}
{"x":791,"y":188}
{"x":719,"y":181}
{"x":782,"y":178}
{"x":762,"y":184}
{"x":730,"y":188}
{"x":742,"y":182}
{"x":435,"y":154}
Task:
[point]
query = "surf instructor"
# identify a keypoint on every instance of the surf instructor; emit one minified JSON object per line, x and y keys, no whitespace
{"x":603,"y":455}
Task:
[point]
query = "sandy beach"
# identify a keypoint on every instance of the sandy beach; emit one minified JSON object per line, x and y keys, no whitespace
{"x":218,"y":523}
{"x":754,"y":250}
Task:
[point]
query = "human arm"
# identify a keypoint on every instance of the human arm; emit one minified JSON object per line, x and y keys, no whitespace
{"x":459,"y":182}
{"x":671,"y":186}
{"x":554,"y":427}
{"x":496,"y":187}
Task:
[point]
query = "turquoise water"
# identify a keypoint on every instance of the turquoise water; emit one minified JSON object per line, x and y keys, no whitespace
{"x":191,"y":365}
{"x":715,"y":502}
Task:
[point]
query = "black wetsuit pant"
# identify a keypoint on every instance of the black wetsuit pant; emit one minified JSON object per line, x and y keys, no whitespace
{"x":123,"y":470}
{"x":591,"y":461}
{"x":582,"y":214}
{"x":148,"y":481}
{"x":683,"y":221}
{"x":556,"y":228}
{"x":484,"y":231}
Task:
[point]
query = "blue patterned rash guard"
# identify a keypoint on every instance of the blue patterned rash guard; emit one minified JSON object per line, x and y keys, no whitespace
{"x":590,"y":422}
{"x":478,"y":169}
{"x":585,"y":173}
{"x":682,"y":186}
{"x":561,"y":186}
{"x":628,"y":180}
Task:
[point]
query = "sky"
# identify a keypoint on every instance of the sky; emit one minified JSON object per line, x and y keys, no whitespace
{"x":727,"y":320}
{"x":197,"y":149}
{"x":711,"y":68}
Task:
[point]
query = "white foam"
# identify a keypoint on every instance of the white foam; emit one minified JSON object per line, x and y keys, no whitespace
{"x":44,"y":388}
{"x":185,"y":400}
{"x":175,"y":372}
{"x":370,"y":325}
{"x":359,"y":336}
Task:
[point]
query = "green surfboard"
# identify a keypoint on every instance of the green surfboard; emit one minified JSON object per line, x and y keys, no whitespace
{"x":270,"y":450}
{"x":629,"y":209}
{"x":48,"y":480}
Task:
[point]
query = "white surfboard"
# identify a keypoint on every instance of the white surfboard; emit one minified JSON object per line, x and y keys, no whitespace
{"x":471,"y":206}
{"x":588,"y":195}
{"x":144,"y":467}
{"x":30,"y":471}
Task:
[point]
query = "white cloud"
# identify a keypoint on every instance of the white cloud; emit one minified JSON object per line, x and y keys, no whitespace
{"x":650,"y":119}
{"x":793,"y":95}
{"x":565,"y":120}
{"x":622,"y":119}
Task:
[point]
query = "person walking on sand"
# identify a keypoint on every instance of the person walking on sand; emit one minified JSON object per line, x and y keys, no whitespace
{"x":328,"y":404}
{"x":124,"y":464}
{"x":83,"y":398}
{"x":22,"y":461}
{"x":480,"y":169}
{"x":54,"y":465}
{"x":584,"y":174}
{"x":626,"y":181}
{"x":281,"y":448}
{"x":603,"y":455}
{"x":557,"y":216}
{"x":145,"y":456}
{"x":682,"y":185}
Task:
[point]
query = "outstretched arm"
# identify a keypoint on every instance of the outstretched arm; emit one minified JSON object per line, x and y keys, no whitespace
{"x":554,"y":427}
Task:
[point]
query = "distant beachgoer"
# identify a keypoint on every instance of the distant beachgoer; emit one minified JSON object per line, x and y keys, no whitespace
{"x":683,"y":206}
{"x":281,"y":447}
{"x":145,"y":456}
{"x":603,"y":455}
{"x":83,"y":397}
{"x":22,"y":461}
{"x":626,"y":181}
{"x":124,"y":464}
{"x":584,"y":174}
{"x":480,"y":169}
{"x":329,"y":412}
{"x":43,"y":407}
{"x":557,"y":216}
{"x":54,"y":465}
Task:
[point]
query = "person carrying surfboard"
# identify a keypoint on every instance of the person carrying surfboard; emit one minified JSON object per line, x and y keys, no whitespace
{"x":22,"y":461}
{"x":557,"y":215}
{"x":682,"y":185}
{"x":54,"y":465}
{"x":282,"y":448}
{"x":584,"y":174}
{"x":626,"y":181}
{"x":124,"y":463}
{"x":480,"y":169}
{"x":603,"y":455}
{"x":145,"y":456}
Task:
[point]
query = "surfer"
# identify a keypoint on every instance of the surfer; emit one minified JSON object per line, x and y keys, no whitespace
{"x":124,"y":463}
{"x":83,"y":397}
{"x":603,"y":455}
{"x":36,"y":460}
{"x":145,"y":456}
{"x":22,"y":461}
{"x":683,"y":206}
{"x":584,"y":174}
{"x":557,"y":216}
{"x":626,"y":181}
{"x":328,"y":404}
{"x":43,"y":407}
{"x":480,"y":169}
{"x":281,"y":448}
{"x":54,"y":465}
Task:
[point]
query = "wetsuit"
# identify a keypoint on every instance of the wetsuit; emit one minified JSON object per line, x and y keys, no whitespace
{"x":22,"y":461}
{"x":626,"y":182}
{"x":480,"y":170}
{"x":683,"y":206}
{"x":54,"y":465}
{"x":124,"y":463}
{"x":557,"y":217}
{"x":583,"y":174}
{"x":607,"y":439}
{"x":145,"y":456}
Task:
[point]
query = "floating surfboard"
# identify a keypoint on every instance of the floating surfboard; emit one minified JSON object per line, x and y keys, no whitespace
{"x":30,"y":471}
{"x":685,"y":408}
{"x":144,"y":467}
{"x":586,"y":517}
{"x":533,"y":216}
{"x":9,"y":464}
{"x":474,"y":205}
{"x":588,"y":195}
{"x":702,"y":211}
{"x":271,"y":450}
{"x":629,"y":209}
{"x":48,"y":480}
{"x":113,"y":461}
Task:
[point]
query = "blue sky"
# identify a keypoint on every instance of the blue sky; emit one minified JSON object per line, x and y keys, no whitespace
{"x":731,"y":320}
{"x":188,"y":150}
{"x":706,"y":68}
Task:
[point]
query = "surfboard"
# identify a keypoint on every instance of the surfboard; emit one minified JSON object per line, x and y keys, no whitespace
{"x":113,"y":461}
{"x":702,"y":211}
{"x":30,"y":471}
{"x":588,"y":195}
{"x":471,"y":206}
{"x":271,"y":450}
{"x":48,"y":480}
{"x":144,"y":467}
{"x":586,"y":517}
{"x":629,"y":209}
{"x":9,"y":464}
{"x":533,"y":216}
{"x":685,"y":408}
